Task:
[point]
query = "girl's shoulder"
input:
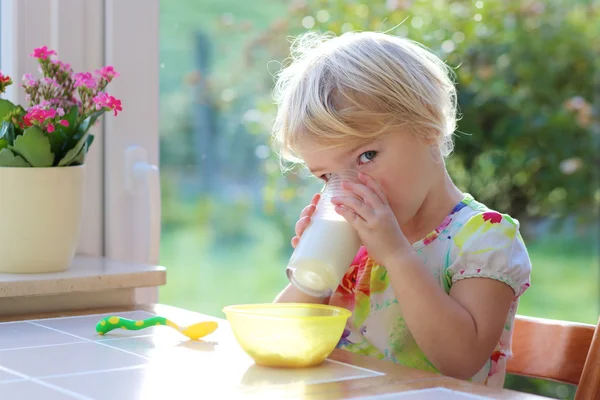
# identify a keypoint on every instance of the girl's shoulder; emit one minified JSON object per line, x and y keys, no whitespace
{"x":474,"y":215}
{"x":487,"y":243}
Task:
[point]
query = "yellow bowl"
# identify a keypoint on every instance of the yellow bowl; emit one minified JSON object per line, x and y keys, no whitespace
{"x":285,"y":334}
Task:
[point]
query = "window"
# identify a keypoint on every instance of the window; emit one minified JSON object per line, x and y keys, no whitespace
{"x":228,"y":214}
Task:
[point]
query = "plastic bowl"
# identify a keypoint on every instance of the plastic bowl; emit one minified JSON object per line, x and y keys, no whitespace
{"x":287,"y":335}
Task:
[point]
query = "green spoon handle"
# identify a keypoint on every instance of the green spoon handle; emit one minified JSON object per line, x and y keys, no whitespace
{"x":108,"y":324}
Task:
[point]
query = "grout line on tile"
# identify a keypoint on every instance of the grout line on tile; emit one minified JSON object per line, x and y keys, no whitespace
{"x":13,"y":372}
{"x":79,"y":316}
{"x":59,"y":331}
{"x":11,"y":322}
{"x":114,"y":339}
{"x":340,"y":379}
{"x":92,"y":341}
{"x":68,"y":392}
{"x":98,"y":371}
{"x":124,"y":351}
{"x":27,"y":378}
{"x":315,"y":381}
{"x":40,"y":346}
{"x":376,"y":373}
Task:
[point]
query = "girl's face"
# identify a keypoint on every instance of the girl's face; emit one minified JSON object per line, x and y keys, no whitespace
{"x":402,"y":164}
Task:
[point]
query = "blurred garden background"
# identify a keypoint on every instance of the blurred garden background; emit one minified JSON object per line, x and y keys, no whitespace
{"x":528,"y":75}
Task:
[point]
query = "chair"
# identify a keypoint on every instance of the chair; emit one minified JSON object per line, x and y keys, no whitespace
{"x":561,"y":351}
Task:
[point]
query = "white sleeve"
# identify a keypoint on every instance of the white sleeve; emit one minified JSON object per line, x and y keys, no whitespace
{"x":490,"y":246}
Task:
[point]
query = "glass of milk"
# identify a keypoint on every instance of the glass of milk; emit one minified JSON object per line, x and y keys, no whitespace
{"x":327,"y":246}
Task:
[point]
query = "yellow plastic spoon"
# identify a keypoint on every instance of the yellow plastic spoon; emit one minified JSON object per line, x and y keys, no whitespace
{"x":194,"y":332}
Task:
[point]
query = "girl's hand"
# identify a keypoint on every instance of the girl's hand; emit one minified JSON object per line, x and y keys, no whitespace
{"x":304,"y":220}
{"x":367,"y":209}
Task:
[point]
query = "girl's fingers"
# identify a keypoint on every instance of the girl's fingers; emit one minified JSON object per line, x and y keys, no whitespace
{"x":349,"y":215}
{"x":367,"y":194}
{"x":308,"y":211}
{"x":301,"y":225}
{"x":315,"y":199}
{"x":295,"y":241}
{"x":304,"y":220}
{"x":355,"y":205}
{"x":374,"y":186}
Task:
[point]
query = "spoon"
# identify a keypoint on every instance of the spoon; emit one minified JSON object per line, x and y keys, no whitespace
{"x":194,"y":332}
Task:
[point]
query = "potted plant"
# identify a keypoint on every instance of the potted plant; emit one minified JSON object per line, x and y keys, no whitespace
{"x":43,"y":147}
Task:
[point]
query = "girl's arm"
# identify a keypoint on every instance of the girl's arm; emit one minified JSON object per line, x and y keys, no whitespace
{"x":457,"y":332}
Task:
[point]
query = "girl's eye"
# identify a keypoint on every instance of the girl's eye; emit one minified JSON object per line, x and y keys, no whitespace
{"x":367,"y":156}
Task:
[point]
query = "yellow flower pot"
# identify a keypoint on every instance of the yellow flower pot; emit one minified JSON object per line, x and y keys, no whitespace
{"x":40,"y":218}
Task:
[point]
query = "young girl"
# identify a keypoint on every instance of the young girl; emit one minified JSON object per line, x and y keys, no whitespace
{"x":437,"y":281}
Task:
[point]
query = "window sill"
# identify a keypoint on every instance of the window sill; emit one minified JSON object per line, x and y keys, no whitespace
{"x":87,"y":274}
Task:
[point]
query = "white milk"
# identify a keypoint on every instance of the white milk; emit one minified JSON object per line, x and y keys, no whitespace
{"x":326,"y":248}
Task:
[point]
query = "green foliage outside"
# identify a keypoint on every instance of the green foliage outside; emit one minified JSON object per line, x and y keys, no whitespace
{"x":528,"y":81}
{"x":527,"y":145}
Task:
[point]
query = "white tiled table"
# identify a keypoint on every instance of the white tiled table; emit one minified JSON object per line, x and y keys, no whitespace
{"x":50,"y":358}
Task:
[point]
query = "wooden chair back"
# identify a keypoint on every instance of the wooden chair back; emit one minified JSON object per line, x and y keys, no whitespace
{"x":561,"y":351}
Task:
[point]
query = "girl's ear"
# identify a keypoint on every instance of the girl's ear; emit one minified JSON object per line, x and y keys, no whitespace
{"x":430,"y":137}
{"x":431,"y":140}
{"x":436,"y":153}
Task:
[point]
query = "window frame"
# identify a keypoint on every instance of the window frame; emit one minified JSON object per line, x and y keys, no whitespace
{"x":135,"y":55}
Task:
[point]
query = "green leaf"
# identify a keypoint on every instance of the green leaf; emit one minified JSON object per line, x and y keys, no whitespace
{"x":9,"y":159}
{"x":3,"y":144}
{"x":7,"y":132}
{"x":95,"y":116}
{"x":83,"y":127}
{"x":72,"y":116}
{"x":58,"y":141}
{"x":34,"y":147}
{"x":80,"y":158}
{"x":65,"y":137}
{"x":72,"y":154}
{"x":90,"y":140}
{"x":5,"y":108}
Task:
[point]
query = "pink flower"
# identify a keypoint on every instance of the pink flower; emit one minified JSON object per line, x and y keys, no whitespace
{"x":61,"y":65}
{"x":42,"y":53}
{"x":50,"y":128}
{"x":60,"y":111}
{"x":4,"y":82}
{"x":39,"y":115}
{"x":103,"y":100}
{"x":50,"y":113}
{"x":50,"y":82}
{"x":5,"y":79}
{"x":28,"y":80}
{"x":107,"y":73}
{"x":84,"y":79}
{"x":64,"y":122}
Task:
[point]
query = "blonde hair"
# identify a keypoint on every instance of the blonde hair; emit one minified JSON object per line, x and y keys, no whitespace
{"x":353,"y":88}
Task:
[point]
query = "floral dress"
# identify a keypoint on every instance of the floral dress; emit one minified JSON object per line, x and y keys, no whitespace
{"x":472,"y":242}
